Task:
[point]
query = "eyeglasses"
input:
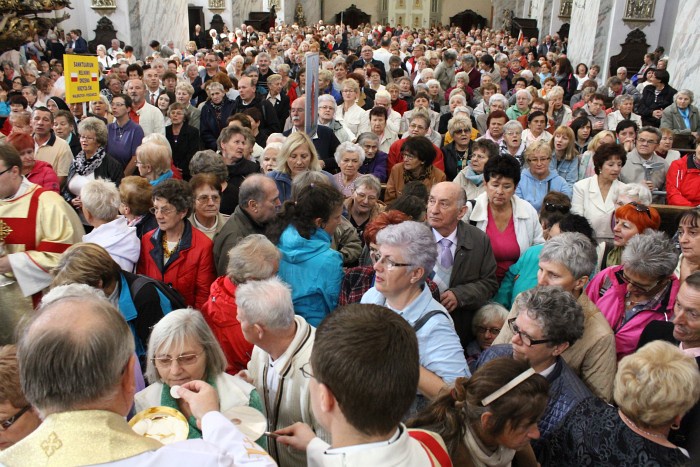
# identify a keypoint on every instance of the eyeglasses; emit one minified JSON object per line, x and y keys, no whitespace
{"x":413,"y":126}
{"x":164,"y":211}
{"x":462,"y":131}
{"x":641,"y":208}
{"x":206,"y":198}
{"x":182,"y":360}
{"x":408,"y":155}
{"x":377,"y":258}
{"x":482,"y":330}
{"x":6,"y":424}
{"x":644,"y":288}
{"x":306,"y":370}
{"x":366,"y":196}
{"x":539,"y":161}
{"x":651,"y":142}
{"x":87,"y":138}
{"x":6,"y":170}
{"x":527,"y":340}
{"x":549,"y":207}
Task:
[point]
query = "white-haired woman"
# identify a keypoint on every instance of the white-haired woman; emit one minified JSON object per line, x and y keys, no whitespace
{"x":181,"y":349}
{"x":349,"y":157}
{"x":486,"y":326}
{"x":102,"y":108}
{"x":102,"y":57}
{"x":110,"y":230}
{"x":405,"y":257}
{"x":523,"y":98}
{"x":682,"y":117}
{"x":326,"y":117}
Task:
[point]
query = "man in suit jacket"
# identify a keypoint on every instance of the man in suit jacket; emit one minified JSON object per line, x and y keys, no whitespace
{"x":466,"y":268}
{"x":684,"y":331}
{"x":546,"y":46}
{"x":248,"y":98}
{"x":324,"y":140}
{"x":367,"y":55}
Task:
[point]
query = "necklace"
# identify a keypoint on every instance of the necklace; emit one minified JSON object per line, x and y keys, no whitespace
{"x":634,"y":425}
{"x":167,"y":253}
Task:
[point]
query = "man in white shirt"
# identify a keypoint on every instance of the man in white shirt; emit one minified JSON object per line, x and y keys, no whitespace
{"x":283,"y":343}
{"x":115,"y":49}
{"x":144,"y":114}
{"x":363,"y":377}
{"x":84,"y":404}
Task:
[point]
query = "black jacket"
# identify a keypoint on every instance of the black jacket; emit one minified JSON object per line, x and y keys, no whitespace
{"x":236,"y":174}
{"x":325,"y":143}
{"x":270,"y":122}
{"x":375,"y":63}
{"x":454,"y":162}
{"x":651,"y":102}
{"x":109,"y":169}
{"x":184,"y":148}
{"x":209,"y":126}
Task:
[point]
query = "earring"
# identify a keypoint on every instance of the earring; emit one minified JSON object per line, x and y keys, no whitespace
{"x":675,"y":426}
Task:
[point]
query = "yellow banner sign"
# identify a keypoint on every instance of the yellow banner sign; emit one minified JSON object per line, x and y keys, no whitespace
{"x":82,"y":77}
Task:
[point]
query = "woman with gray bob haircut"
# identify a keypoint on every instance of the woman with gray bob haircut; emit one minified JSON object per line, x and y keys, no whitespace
{"x":184,"y":338}
{"x":111,"y":231}
{"x":640,"y":290}
{"x":254,"y":258}
{"x":405,"y":256}
{"x":574,"y":251}
{"x":208,"y":161}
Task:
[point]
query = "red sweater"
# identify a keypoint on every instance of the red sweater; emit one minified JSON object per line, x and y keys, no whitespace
{"x":395,"y":156}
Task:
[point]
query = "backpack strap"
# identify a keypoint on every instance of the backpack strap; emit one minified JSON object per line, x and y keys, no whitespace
{"x":425,"y":318}
{"x":435,"y":451}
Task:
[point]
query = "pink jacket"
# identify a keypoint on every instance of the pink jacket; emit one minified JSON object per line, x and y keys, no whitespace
{"x":608,"y":293}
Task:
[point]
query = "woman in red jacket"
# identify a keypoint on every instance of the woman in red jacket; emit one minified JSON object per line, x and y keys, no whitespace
{"x":683,"y":180}
{"x":254,"y":258}
{"x":175,"y":253}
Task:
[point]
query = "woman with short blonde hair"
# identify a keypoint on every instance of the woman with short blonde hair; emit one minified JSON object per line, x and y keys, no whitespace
{"x":153,"y":161}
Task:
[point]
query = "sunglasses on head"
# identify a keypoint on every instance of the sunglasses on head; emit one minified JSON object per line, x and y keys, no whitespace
{"x":641,"y":208}
{"x":550,"y":207}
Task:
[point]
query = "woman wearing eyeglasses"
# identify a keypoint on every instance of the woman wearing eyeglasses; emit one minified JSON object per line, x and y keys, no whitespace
{"x":175,"y":252}
{"x":456,"y":154}
{"x":91,"y":162}
{"x":405,"y":256}
{"x":486,"y":326}
{"x":181,"y":349}
{"x":153,"y":162}
{"x":642,"y":289}
{"x":418,"y":155}
{"x":17,"y":416}
{"x":538,"y":178}
{"x":471,"y":178}
{"x":207,"y":200}
{"x":595,"y":196}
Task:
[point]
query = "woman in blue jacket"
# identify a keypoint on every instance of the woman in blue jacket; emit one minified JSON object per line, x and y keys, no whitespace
{"x":303,"y":233}
{"x":537,"y":179}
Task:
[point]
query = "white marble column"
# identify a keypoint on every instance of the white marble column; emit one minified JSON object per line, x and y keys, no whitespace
{"x":157,"y":20}
{"x":684,"y":59}
{"x":499,"y":7}
{"x":582,"y":35}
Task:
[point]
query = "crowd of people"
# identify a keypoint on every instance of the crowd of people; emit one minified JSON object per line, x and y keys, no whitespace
{"x":460,"y":266}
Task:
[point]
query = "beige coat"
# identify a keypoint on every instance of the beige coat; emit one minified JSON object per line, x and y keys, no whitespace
{"x":293,"y":402}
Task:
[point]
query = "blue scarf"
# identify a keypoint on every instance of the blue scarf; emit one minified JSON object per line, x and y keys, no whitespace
{"x":476,"y":179}
{"x":165,"y":176}
{"x":685,"y":113}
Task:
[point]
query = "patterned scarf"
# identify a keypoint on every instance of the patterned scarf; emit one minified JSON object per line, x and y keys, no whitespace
{"x":425,"y":172}
{"x":84,"y":166}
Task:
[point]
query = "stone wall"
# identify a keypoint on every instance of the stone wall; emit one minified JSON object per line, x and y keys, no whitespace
{"x":684,"y":60}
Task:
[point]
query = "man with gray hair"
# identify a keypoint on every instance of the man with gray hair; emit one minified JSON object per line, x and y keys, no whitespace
{"x":77,"y":366}
{"x":283,"y":343}
{"x":258,"y":202}
{"x":643,"y":164}
{"x":549,"y":321}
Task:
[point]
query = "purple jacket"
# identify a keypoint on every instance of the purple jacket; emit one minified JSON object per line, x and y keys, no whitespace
{"x":376,"y":166}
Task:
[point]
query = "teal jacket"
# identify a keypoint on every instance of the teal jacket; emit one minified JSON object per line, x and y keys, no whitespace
{"x":521,"y":276}
{"x":314,"y":272}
